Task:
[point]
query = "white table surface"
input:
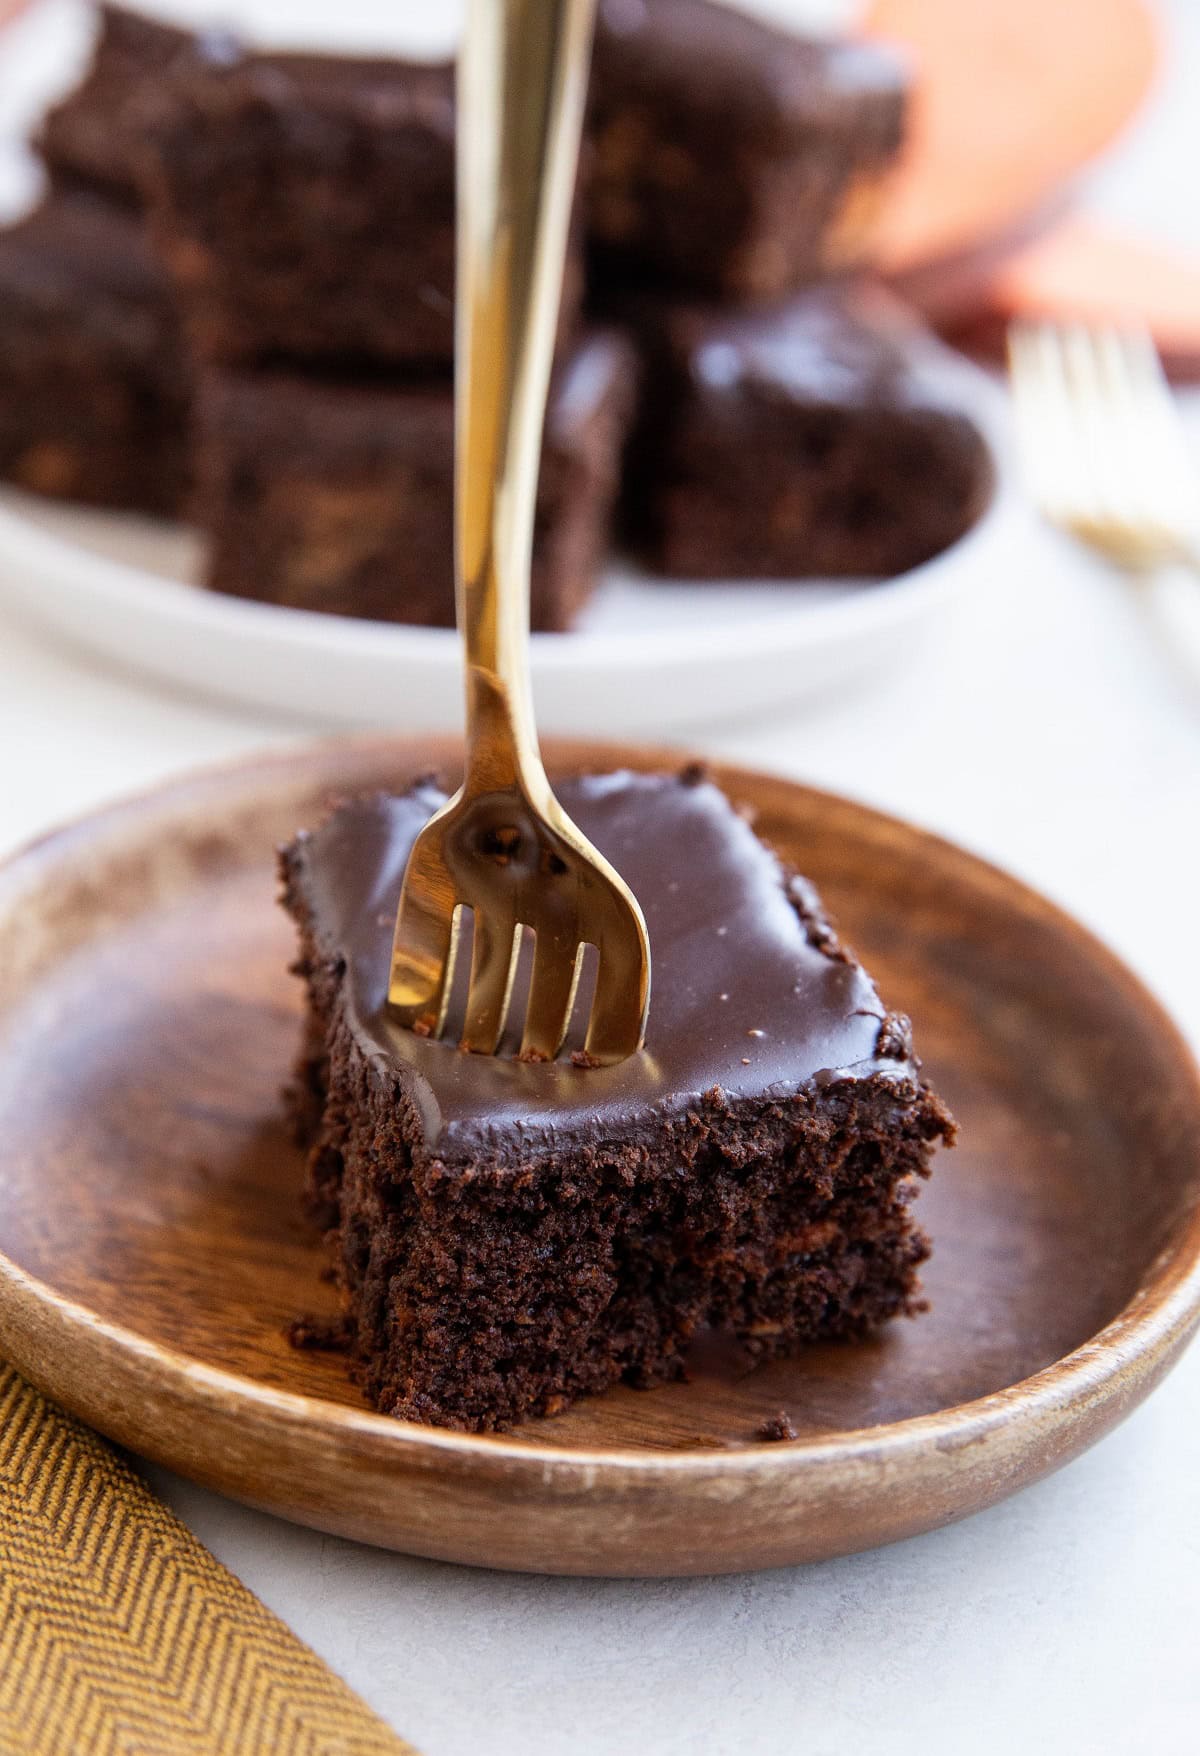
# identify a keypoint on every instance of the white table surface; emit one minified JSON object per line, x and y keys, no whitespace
{"x":1052,"y":723}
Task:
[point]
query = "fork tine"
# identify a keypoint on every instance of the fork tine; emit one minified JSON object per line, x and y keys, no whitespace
{"x":552,"y":988}
{"x":1103,"y":442}
{"x":1166,"y":469}
{"x":1129,"y":415}
{"x":1027,"y":400}
{"x":1115,"y":444}
{"x":1064,"y":363}
{"x":1046,"y":424}
{"x":493,"y":965}
{"x":424,"y":952}
{"x":618,"y":1014}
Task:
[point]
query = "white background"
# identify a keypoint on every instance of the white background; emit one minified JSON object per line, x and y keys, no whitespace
{"x":1053,"y":723}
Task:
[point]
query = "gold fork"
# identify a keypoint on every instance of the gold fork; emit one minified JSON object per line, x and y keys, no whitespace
{"x":1102,"y":442}
{"x":503,"y":847}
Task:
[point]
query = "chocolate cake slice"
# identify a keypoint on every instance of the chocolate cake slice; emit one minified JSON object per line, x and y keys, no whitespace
{"x":509,"y":1236}
{"x":92,"y":136}
{"x":730,"y":156}
{"x":304,"y":206}
{"x":337,"y":494}
{"x":826,"y":436}
{"x":93,"y":384}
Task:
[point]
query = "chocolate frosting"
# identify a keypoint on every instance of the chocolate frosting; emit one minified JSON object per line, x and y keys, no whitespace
{"x":762,"y":81}
{"x":842,"y":345}
{"x":751,"y":996}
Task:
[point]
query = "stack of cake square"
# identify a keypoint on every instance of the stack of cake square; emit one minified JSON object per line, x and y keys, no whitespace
{"x":793,"y":421}
{"x":236,"y":303}
{"x":94,"y":384}
{"x":304,"y":209}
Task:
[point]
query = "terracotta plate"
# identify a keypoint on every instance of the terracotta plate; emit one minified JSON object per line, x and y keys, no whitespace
{"x":153,"y":1255}
{"x":1012,"y":98}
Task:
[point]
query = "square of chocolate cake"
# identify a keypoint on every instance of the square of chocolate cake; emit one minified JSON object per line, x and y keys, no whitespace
{"x":338,"y":494}
{"x":510,"y":1235}
{"x":731,"y":156}
{"x":826,"y":436}
{"x":304,"y":206}
{"x":93,"y":385}
{"x":92,"y":135}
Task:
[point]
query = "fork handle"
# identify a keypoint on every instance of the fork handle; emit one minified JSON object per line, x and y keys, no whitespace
{"x":522,"y":78}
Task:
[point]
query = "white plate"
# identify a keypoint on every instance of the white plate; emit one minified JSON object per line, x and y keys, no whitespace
{"x":647,"y":657}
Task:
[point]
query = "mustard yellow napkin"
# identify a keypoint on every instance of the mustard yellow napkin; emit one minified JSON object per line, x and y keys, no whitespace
{"x":121,"y":1634}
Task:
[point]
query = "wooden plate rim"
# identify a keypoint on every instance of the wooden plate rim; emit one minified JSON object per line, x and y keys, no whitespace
{"x":1136,"y":1346}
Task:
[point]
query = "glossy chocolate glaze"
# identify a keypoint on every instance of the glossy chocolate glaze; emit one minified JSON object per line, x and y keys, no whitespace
{"x":745,"y":998}
{"x":764,"y":81}
{"x":841,"y":345}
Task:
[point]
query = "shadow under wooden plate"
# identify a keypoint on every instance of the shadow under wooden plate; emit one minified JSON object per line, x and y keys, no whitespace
{"x":153,"y":1253}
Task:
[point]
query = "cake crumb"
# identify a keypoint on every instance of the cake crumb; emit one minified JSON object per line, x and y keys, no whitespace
{"x":777,"y":1427}
{"x":326,"y":1335}
{"x":895,"y":1040}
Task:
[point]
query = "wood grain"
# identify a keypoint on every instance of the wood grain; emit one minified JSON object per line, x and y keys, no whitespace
{"x":153,"y":1251}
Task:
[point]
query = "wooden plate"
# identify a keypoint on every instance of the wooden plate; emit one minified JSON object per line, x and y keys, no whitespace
{"x":153,"y":1254}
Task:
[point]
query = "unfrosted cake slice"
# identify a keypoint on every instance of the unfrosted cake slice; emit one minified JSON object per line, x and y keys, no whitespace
{"x":94,"y":386}
{"x":509,"y":1236}
{"x":304,"y":207}
{"x":93,"y":136}
{"x":337,"y":494}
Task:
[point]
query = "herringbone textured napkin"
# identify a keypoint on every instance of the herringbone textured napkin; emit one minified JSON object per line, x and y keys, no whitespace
{"x":120,"y":1635}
